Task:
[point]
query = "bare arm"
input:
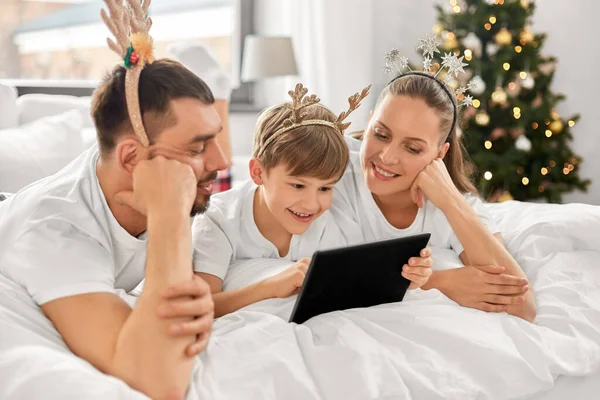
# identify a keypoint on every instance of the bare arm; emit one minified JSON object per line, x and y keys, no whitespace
{"x":230,"y":301}
{"x":281,"y":285}
{"x":134,"y":345}
{"x":481,"y":247}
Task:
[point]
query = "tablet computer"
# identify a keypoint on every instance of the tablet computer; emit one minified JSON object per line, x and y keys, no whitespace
{"x":356,"y":276}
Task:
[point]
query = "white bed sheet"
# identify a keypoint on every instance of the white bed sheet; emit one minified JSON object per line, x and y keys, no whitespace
{"x":424,"y":348}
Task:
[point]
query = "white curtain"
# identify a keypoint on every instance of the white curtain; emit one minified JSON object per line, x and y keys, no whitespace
{"x":333,"y":42}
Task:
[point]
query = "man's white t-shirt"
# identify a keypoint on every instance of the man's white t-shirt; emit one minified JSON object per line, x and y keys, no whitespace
{"x":59,"y":238}
{"x":353,"y":197}
{"x":227,"y":232}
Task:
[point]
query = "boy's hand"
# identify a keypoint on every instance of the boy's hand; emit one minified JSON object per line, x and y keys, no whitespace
{"x":418,"y":269}
{"x":288,"y":282}
{"x":189,"y":299}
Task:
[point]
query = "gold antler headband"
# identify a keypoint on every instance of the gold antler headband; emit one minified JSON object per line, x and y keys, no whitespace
{"x":130,"y":26}
{"x":297,"y":119}
{"x":300,"y":102}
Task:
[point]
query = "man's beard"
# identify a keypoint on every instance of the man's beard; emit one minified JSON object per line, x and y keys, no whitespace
{"x":200,"y":206}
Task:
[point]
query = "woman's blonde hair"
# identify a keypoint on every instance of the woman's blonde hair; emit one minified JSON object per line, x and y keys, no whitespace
{"x":431,"y":91}
{"x":308,"y":150}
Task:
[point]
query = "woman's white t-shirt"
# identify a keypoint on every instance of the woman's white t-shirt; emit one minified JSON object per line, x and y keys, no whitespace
{"x":353,"y":197}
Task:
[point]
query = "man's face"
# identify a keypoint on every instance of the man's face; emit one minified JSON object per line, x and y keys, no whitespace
{"x":192,"y":140}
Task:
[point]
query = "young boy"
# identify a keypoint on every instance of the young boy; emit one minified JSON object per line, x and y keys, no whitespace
{"x":299,"y":154}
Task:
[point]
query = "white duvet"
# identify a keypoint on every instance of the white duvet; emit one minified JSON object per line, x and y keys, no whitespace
{"x":426,"y":347}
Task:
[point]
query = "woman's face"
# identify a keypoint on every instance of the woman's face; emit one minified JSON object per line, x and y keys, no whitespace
{"x":402,"y":138}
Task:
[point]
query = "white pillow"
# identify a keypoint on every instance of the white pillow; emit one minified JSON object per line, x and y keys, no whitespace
{"x":9,"y":117}
{"x":34,"y":151}
{"x":32,"y":107}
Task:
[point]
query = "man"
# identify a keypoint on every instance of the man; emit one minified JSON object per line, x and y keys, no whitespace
{"x":119,"y":213}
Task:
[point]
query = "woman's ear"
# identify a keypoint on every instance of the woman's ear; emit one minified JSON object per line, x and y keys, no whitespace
{"x":444,"y":150}
{"x":256,"y":171}
{"x":128,"y":153}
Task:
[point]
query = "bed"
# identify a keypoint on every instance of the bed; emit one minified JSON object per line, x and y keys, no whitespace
{"x":426,"y":347}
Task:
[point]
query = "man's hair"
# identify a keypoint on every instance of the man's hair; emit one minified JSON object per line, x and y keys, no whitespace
{"x":310,"y":150}
{"x":160,"y":82}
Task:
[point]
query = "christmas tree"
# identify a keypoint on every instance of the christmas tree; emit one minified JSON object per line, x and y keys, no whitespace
{"x":514,"y":134}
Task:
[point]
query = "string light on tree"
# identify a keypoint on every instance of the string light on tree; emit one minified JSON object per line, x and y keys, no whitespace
{"x":525,"y":181}
{"x":488,"y":175}
{"x":488,"y":144}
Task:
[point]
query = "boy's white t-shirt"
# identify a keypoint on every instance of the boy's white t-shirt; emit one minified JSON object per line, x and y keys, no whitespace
{"x":227,"y":232}
{"x":59,"y":238}
{"x":353,"y":197}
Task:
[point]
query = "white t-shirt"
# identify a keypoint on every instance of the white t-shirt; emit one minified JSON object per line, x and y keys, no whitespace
{"x":59,"y":238}
{"x":227,"y":232}
{"x":353,"y":197}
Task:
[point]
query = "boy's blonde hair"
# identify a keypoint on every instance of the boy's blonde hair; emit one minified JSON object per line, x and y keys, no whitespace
{"x":317,"y":151}
{"x":305,"y":136}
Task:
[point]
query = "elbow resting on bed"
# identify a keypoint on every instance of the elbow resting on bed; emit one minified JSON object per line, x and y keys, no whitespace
{"x":526,"y":311}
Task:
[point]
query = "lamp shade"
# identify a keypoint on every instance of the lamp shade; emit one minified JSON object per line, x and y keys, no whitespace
{"x":266,"y":57}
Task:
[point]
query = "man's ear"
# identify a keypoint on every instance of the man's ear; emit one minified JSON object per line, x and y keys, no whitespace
{"x":256,"y":171}
{"x":444,"y":150}
{"x":128,"y":153}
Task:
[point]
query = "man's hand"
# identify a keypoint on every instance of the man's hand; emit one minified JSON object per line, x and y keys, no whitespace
{"x":485,"y":288}
{"x":189,"y":299}
{"x":288,"y":282}
{"x":160,"y":184}
{"x":418,"y":269}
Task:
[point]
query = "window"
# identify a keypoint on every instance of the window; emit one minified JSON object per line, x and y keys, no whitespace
{"x":59,"y":46}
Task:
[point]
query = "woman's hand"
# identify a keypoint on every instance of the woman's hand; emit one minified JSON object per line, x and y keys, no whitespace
{"x":485,"y":288}
{"x":418,"y":269}
{"x":435,"y":183}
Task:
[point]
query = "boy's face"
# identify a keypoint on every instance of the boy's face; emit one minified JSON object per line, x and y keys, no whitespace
{"x":295,"y":201}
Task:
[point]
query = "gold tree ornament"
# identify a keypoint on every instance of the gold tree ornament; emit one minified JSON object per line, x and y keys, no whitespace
{"x":503,"y":37}
{"x":556,"y":126}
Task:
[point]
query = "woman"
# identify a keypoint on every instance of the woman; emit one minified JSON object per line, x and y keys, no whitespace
{"x":411,"y":176}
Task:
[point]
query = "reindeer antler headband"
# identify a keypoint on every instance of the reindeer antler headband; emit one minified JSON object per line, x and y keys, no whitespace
{"x":130,"y":25}
{"x":298,"y":118}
